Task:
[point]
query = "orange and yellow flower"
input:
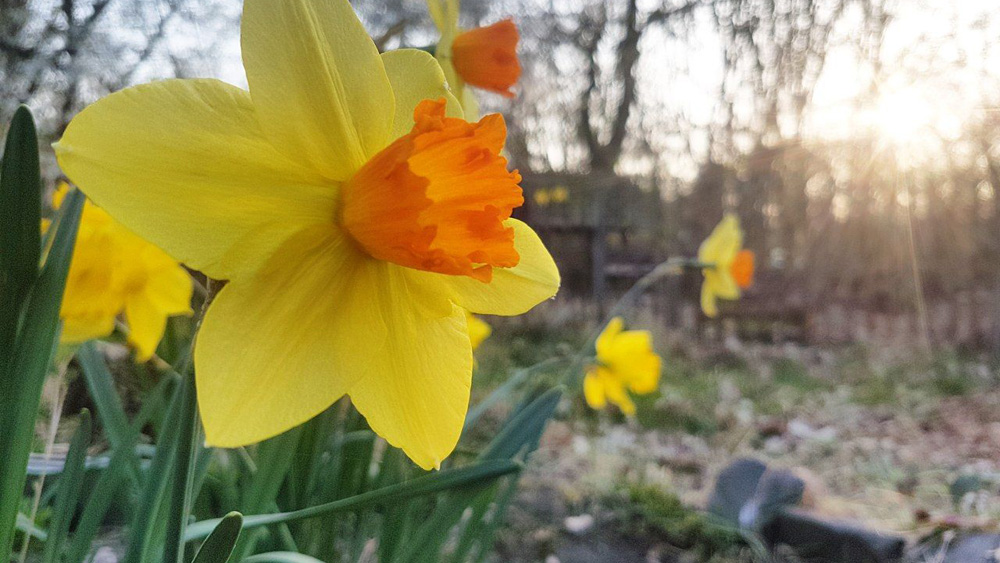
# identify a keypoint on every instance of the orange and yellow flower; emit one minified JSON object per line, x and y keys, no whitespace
{"x":114,"y":271}
{"x":727,"y":267}
{"x":626,"y":363}
{"x":482,"y":57}
{"x":355,"y":215}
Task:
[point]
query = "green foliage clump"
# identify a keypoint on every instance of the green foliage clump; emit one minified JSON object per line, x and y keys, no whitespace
{"x":648,"y":510}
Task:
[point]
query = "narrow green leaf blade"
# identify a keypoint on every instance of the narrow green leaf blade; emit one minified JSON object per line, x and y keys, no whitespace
{"x":281,"y":557}
{"x":477,"y":473}
{"x":519,"y":435}
{"x":68,"y":494}
{"x":218,"y":546}
{"x":20,"y":217}
{"x":22,"y":383}
{"x":114,"y":476}
{"x":102,"y":390}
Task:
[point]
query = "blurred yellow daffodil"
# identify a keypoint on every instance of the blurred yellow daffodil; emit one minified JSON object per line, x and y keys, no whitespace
{"x":355,"y":216}
{"x":720,"y":253}
{"x":479,"y":329}
{"x":483,"y":57}
{"x":542,"y":197}
{"x":626,"y":363}
{"x":113,"y":271}
{"x":560,"y":194}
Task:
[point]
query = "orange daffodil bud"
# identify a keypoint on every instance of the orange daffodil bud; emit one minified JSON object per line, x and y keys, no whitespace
{"x":113,"y":271}
{"x":626,"y":363}
{"x":355,"y":215}
{"x":482,"y":57}
{"x":728,"y":268}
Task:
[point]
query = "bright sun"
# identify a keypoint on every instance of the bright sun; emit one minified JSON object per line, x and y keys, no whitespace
{"x":902,"y":117}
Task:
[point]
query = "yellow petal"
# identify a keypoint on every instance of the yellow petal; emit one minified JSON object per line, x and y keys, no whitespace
{"x":183,"y":164}
{"x":479,"y":329}
{"x":415,"y":76}
{"x":276,"y":349}
{"x":605,"y":341}
{"x":82,"y":328}
{"x":513,"y":291}
{"x":418,"y":394}
{"x":317,"y":82}
{"x":709,"y":301}
{"x":169,"y":289}
{"x":593,"y":390}
{"x":722,"y":245}
{"x":146,"y":323}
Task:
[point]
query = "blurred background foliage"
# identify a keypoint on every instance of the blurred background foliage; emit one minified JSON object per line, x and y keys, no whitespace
{"x":857,"y":139}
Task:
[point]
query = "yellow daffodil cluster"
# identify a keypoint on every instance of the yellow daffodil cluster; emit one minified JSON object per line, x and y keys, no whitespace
{"x":727,"y":267}
{"x":355,"y":214}
{"x":483,"y":57}
{"x":114,"y":271}
{"x":626,"y":363}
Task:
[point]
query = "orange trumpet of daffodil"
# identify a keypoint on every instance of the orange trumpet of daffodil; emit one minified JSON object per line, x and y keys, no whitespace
{"x":626,"y":363}
{"x":355,"y":215}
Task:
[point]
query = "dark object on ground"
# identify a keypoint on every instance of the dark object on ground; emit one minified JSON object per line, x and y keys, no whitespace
{"x":756,"y":499}
{"x":977,"y":548}
{"x":815,"y":539}
{"x":747,"y":494}
{"x":778,"y":489}
{"x":734,"y":487}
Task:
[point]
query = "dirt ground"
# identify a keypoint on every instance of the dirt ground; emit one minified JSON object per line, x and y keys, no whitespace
{"x":894,"y":442}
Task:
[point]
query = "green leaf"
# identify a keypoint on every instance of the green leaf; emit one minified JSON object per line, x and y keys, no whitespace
{"x":154,"y":493}
{"x":281,"y":557}
{"x":20,"y":215}
{"x":147,"y":528}
{"x":102,"y":390}
{"x":273,"y":462}
{"x":519,"y":435}
{"x":482,"y":472}
{"x":114,"y":476}
{"x":68,"y":494}
{"x":186,"y":457}
{"x":22,"y":381}
{"x":26,"y":526}
{"x":218,"y":546}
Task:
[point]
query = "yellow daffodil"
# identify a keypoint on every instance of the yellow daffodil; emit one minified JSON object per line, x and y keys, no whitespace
{"x":354,"y":215}
{"x":483,"y":57}
{"x":479,"y":329}
{"x":113,"y":271}
{"x":560,"y":194}
{"x":542,"y":197}
{"x":719,"y":253}
{"x":626,"y":363}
